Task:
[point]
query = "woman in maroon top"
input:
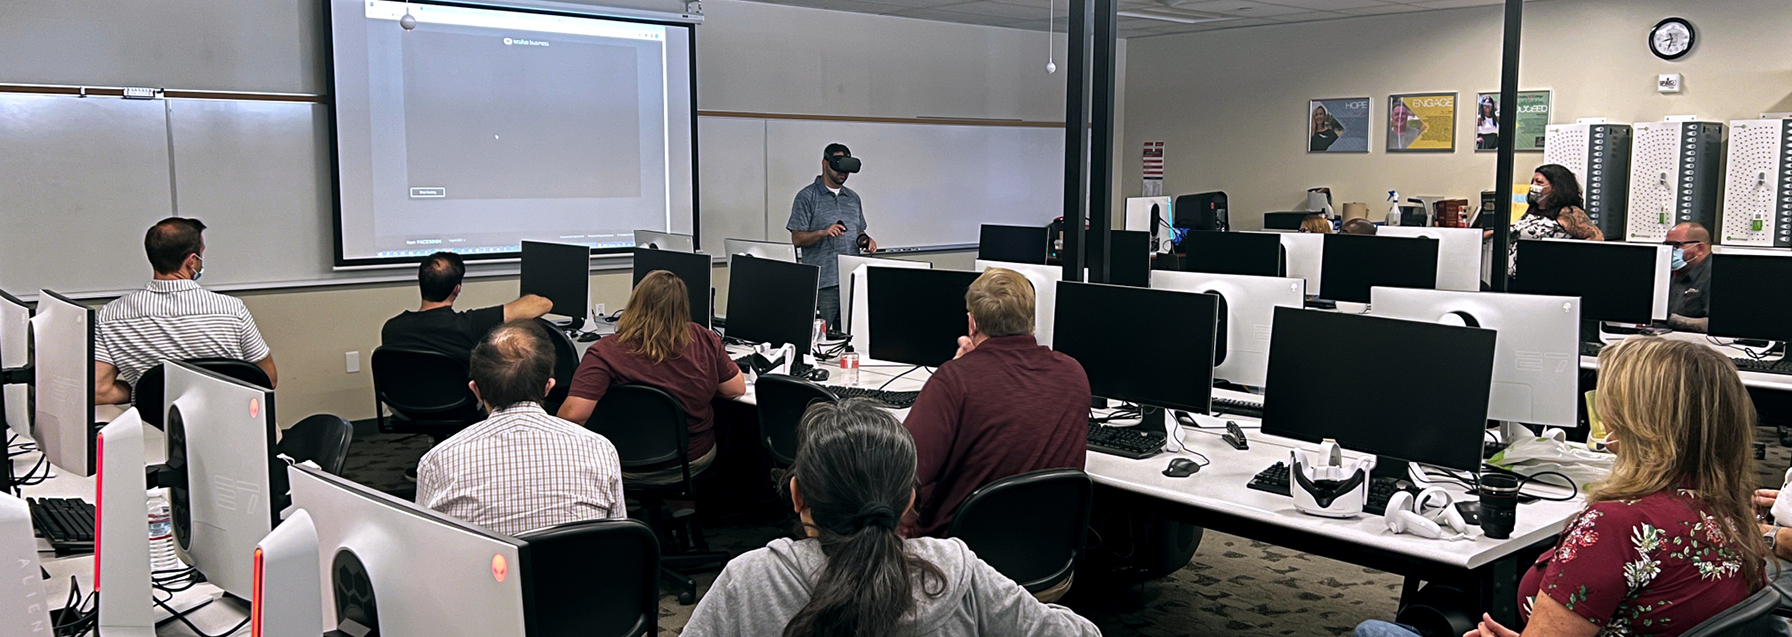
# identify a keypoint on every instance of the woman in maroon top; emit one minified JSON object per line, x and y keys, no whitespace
{"x":1668,"y":539}
{"x":656,"y":344}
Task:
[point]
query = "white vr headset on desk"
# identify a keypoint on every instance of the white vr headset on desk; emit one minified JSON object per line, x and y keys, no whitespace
{"x":1323,"y":485}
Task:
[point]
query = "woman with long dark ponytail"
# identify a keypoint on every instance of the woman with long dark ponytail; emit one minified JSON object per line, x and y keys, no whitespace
{"x":851,"y":575}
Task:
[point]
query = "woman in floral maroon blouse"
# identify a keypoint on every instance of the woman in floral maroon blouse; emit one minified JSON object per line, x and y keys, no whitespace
{"x":1669,"y":539}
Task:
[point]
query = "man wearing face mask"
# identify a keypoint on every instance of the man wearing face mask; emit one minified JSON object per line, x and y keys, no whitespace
{"x":827,"y":220}
{"x":171,"y":319}
{"x":1692,"y":276}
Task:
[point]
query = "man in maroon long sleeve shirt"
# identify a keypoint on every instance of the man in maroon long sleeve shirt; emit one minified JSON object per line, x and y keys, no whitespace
{"x":1005,"y":406}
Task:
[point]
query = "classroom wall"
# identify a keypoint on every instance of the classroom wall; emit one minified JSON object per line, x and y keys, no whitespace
{"x":1231,"y":104}
{"x":882,"y":66}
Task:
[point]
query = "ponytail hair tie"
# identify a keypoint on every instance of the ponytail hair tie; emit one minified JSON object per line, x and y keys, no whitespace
{"x":877,"y":514}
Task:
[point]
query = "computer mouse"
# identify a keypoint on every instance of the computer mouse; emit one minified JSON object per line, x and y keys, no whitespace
{"x":1182,"y":468}
{"x":816,"y":374}
{"x":589,"y":337}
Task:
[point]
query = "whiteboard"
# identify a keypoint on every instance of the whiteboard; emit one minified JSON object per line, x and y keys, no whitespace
{"x":924,"y":185}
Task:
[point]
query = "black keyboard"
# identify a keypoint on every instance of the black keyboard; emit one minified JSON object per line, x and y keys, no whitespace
{"x":67,"y":523}
{"x":1591,"y":349}
{"x":1126,"y":442}
{"x":897,"y":399}
{"x":1231,"y":407}
{"x":1764,"y":367}
{"x":1275,"y":480}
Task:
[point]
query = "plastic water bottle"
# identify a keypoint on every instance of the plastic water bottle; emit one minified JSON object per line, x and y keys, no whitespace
{"x":162,"y":556}
{"x":849,"y":367}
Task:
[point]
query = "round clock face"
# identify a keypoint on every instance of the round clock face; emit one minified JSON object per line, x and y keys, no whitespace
{"x":1671,"y":38}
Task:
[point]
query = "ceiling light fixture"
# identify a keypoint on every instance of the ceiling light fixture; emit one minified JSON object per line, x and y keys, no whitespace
{"x":1051,"y":11}
{"x":1167,"y":18}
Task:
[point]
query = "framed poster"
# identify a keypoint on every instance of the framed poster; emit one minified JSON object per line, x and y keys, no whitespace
{"x":1422,"y":122}
{"x":1338,"y":125}
{"x":1533,"y":118}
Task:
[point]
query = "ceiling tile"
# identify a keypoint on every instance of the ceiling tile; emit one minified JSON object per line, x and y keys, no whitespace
{"x":1058,"y":26}
{"x":955,"y":16}
{"x":1000,"y":10}
{"x":1307,"y":16}
{"x":1240,"y":8}
{"x":1330,"y":5}
{"x":1384,"y":9}
{"x":1454,"y":4}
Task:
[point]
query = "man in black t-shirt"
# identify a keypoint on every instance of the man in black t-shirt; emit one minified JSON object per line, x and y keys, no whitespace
{"x":435,"y":326}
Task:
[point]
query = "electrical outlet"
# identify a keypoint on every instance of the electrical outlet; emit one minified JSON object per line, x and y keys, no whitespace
{"x":598,"y":310}
{"x":354,"y":362}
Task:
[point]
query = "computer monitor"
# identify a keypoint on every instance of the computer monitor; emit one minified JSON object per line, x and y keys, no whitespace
{"x":24,"y":606}
{"x":1247,"y":312}
{"x":772,"y":301}
{"x":1750,"y":296}
{"x":762,"y":249}
{"x":1352,"y":263}
{"x":1202,"y":211}
{"x":1248,"y":253}
{"x":1045,"y":293}
{"x":694,"y":268}
{"x":1458,"y":254}
{"x":1624,"y":282}
{"x":1102,"y":327}
{"x":1130,"y":260}
{"x":1013,"y":244}
{"x":665,"y":241}
{"x":1427,"y":392}
{"x":560,"y":272}
{"x":227,"y":485}
{"x":1305,"y":255}
{"x":854,"y":315}
{"x":389,"y":566}
{"x":917,"y":316}
{"x":1286,"y":220}
{"x":121,"y":529}
{"x":1536,"y":366}
{"x":63,"y":423}
{"x":15,"y":357}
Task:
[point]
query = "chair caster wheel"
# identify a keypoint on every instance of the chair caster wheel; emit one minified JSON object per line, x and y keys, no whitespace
{"x":686,"y":598}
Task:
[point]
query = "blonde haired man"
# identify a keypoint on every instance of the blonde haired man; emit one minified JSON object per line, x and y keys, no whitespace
{"x":1004,"y":406}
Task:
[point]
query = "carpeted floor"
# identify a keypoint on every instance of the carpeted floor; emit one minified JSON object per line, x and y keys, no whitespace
{"x":1233,"y":586}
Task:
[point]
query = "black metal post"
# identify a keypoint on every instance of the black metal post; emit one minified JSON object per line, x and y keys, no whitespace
{"x":1101,"y":137}
{"x":1076,"y":141}
{"x":1502,"y":187}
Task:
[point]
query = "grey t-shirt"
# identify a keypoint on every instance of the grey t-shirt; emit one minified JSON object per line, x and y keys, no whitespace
{"x":815,"y":209}
{"x":760,"y":591}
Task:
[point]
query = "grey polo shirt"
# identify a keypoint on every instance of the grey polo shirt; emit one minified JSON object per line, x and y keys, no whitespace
{"x":815,"y":209}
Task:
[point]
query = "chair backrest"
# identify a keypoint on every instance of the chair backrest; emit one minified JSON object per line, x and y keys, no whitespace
{"x":566,"y":363}
{"x":421,"y":384}
{"x":594,"y":578}
{"x":1735,"y":620}
{"x":323,"y":439}
{"x":146,"y":396}
{"x":646,"y":424}
{"x":782,"y":401}
{"x":1029,"y":527}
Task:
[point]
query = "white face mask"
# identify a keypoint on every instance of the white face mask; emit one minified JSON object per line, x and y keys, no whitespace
{"x":1536,"y":190}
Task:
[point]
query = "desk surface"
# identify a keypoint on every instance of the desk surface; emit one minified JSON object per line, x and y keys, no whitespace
{"x":1220,"y":487}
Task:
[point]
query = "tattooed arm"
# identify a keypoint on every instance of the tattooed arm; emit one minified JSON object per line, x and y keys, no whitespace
{"x":1579,"y":225}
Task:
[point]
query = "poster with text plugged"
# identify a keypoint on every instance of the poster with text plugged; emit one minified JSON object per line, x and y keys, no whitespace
{"x":477,"y":128}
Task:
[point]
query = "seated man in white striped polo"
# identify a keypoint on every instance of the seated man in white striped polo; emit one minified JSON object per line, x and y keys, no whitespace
{"x":172,"y":319}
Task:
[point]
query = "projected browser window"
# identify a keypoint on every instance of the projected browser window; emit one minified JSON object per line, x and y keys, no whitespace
{"x":481,"y":128}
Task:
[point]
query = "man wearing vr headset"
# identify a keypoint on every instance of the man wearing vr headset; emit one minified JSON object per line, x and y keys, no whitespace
{"x":826,"y":220}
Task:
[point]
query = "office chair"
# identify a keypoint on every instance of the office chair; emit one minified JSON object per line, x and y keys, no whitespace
{"x":566,"y":363}
{"x":649,"y":429}
{"x":782,"y":402}
{"x":323,"y":439}
{"x":1735,"y":621}
{"x":146,"y":396}
{"x":425,"y":391}
{"x":1029,"y":527}
{"x":601,"y":578}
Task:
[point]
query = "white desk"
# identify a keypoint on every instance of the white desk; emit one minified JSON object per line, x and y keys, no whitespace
{"x":214,"y":618}
{"x":1758,"y":380}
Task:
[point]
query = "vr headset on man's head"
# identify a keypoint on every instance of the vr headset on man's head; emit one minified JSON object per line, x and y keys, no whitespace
{"x":843,"y":163}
